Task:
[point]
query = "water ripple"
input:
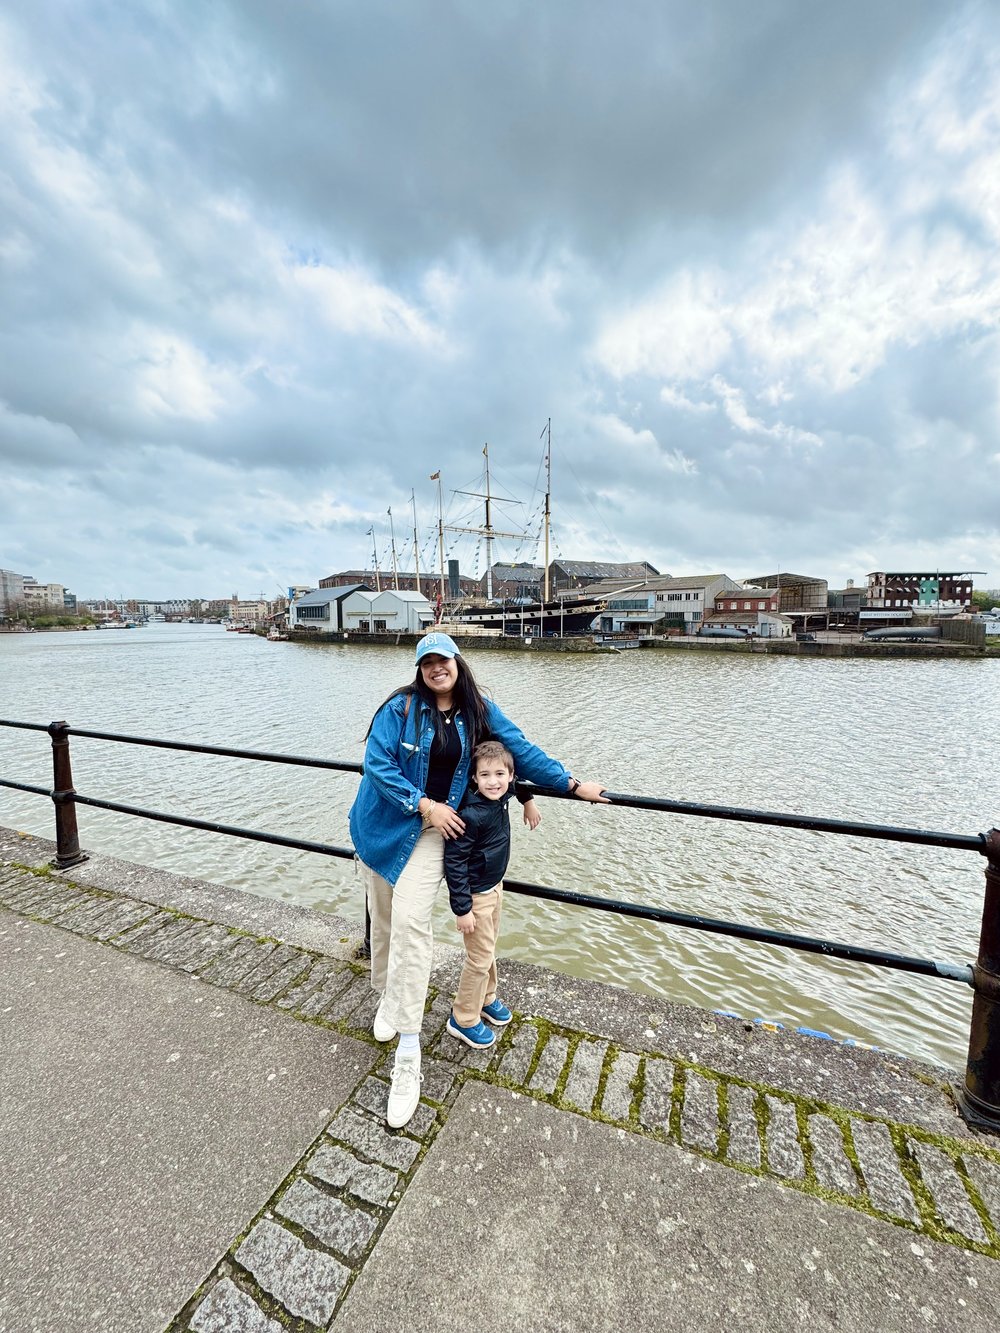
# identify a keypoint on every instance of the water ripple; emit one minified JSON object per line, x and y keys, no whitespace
{"x":895,"y":742}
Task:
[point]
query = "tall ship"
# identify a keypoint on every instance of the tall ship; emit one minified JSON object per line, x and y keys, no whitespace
{"x":572,"y":613}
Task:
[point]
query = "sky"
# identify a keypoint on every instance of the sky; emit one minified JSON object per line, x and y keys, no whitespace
{"x":266,"y":267}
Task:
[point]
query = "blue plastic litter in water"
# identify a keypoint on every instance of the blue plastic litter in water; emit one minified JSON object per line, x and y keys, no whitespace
{"x":724,"y":1013}
{"x":815,"y":1032}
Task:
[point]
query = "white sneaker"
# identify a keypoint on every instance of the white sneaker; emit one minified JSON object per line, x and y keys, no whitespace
{"x":381,"y":1030}
{"x":405,"y":1091}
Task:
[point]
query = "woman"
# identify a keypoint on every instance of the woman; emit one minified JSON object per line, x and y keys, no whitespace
{"x":416,"y":772}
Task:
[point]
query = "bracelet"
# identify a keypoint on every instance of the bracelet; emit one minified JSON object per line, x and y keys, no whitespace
{"x":574,"y":786}
{"x":426,"y":816}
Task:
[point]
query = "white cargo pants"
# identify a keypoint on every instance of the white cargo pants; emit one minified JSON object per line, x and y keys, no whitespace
{"x":402,"y":939}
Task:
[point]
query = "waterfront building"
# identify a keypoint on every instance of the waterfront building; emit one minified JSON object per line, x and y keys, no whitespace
{"x":753,"y":610}
{"x":251,"y":611}
{"x":323,"y":609}
{"x":567,"y":574}
{"x":11,"y":592}
{"x":749,"y":598}
{"x":844,"y":605}
{"x":801,"y":594}
{"x":943,"y":593}
{"x":514,"y":582}
{"x":430,"y":581}
{"x":387,"y":612}
{"x":659,"y":603}
{"x":42,"y":598}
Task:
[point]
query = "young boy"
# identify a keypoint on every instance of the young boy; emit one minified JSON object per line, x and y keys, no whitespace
{"x":474,"y":865}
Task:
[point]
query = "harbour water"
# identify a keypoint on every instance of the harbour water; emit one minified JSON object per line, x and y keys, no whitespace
{"x":900,"y":742}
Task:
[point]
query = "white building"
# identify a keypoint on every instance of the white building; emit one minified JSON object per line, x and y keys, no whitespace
{"x":321,"y":609}
{"x":250,"y":611}
{"x":386,"y":612}
{"x":42,"y":597}
{"x":765,"y":624}
{"x":650,"y":605}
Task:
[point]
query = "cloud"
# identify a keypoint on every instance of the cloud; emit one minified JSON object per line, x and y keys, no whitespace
{"x":266,"y":270}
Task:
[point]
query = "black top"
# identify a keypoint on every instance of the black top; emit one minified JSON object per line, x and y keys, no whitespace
{"x":444,"y":757}
{"x":477,"y":861}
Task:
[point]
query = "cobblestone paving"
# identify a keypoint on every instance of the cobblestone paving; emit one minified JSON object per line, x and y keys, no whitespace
{"x":296,"y":1260}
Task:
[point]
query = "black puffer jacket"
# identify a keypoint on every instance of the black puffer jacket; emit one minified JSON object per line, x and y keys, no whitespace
{"x":477,"y":861}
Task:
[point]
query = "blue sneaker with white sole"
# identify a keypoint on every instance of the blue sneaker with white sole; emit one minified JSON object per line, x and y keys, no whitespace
{"x":479,"y":1036}
{"x":496,"y":1013}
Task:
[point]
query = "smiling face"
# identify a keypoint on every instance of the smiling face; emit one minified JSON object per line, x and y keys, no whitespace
{"x":493,"y":777}
{"x":440,"y":675}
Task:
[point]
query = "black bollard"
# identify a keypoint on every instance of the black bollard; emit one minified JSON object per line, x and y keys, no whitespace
{"x":68,"y":851}
{"x":979,"y":1097}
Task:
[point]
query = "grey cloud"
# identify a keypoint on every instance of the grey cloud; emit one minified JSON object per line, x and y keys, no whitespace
{"x":515,"y":177}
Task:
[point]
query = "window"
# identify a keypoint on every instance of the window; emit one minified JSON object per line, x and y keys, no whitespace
{"x":380,"y":626}
{"x":364,"y":627}
{"x":314,"y":612}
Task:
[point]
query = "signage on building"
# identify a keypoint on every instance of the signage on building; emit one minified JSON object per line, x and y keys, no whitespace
{"x":885,"y":615}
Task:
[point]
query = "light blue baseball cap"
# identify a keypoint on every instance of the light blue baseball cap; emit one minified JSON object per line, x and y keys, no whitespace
{"x":435,"y":642}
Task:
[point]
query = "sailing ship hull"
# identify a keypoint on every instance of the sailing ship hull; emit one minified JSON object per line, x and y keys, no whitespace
{"x":552,"y":618}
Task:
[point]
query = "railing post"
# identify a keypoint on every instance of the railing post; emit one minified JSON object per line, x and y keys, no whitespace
{"x":979,"y":1097}
{"x":68,"y":851}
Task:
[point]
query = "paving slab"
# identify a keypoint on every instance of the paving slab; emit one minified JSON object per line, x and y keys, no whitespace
{"x":146,"y":1118}
{"x":550,"y":1221}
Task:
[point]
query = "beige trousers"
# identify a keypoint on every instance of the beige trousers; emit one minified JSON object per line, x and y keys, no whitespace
{"x":402,"y":940}
{"x":478,"y":983}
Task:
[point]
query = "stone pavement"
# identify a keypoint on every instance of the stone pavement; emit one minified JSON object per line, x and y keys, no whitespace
{"x":198,"y":1144}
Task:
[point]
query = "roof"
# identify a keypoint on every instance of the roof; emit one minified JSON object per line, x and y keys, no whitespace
{"x":511,"y":573}
{"x":596,"y":569}
{"x":324,"y":596}
{"x":658,"y":583}
{"x":731,"y":618}
{"x":748,"y":591}
{"x":768,"y":580}
{"x":403,"y":594}
{"x":751,"y":617}
{"x":908,"y":574}
{"x":368,"y":576}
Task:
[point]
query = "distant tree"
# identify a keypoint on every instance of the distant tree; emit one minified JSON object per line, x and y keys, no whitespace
{"x":983,"y":600}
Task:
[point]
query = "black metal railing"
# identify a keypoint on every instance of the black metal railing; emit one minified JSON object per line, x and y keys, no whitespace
{"x":978,"y":1097}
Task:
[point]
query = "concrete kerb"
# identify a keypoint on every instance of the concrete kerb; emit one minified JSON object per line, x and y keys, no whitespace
{"x":867,"y":1132}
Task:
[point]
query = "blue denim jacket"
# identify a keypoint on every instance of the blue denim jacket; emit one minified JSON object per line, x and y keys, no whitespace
{"x":385,"y":822}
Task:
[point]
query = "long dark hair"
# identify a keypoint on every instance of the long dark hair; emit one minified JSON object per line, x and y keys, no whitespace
{"x":467,"y":698}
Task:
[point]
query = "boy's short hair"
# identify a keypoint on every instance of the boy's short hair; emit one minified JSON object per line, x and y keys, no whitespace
{"x":492,"y":750}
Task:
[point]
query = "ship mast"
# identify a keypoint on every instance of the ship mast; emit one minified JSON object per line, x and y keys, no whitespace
{"x":488,"y":531}
{"x":392,"y":537}
{"x":548,"y":495}
{"x":416,"y":552}
{"x":436,"y":476}
{"x":378,"y":576}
